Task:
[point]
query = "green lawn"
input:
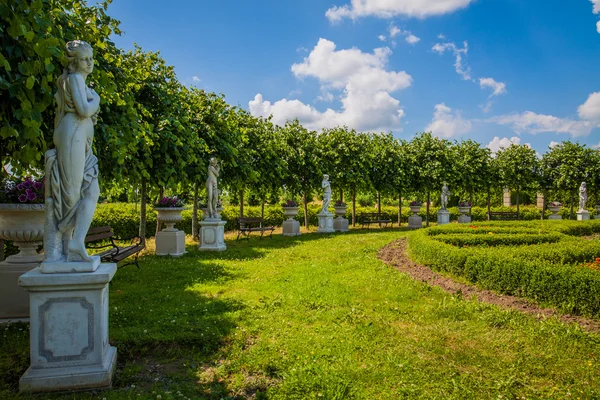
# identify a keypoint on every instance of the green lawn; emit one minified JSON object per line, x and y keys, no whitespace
{"x":320,"y":317}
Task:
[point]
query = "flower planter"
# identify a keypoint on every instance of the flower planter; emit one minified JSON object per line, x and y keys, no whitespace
{"x":24,"y":225}
{"x":340,"y":212}
{"x":290,"y":212}
{"x":290,"y":226}
{"x":415,"y":209}
{"x":170,"y":240}
{"x":415,"y":221}
{"x":341,"y":223}
{"x":463,"y":218}
{"x":554,"y":211}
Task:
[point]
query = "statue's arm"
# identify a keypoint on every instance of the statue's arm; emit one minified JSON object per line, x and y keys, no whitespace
{"x":86,"y":108}
{"x":214,"y":170}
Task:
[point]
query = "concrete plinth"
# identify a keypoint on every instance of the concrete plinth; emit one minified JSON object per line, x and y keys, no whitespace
{"x":464,"y":219}
{"x":69,"y":346}
{"x":170,"y":243}
{"x":583,"y":215}
{"x":415,"y":222}
{"x":291,"y":227}
{"x":554,"y":216}
{"x":443,"y":217}
{"x":14,"y":300}
{"x":340,"y":224}
{"x":325,"y":223}
{"x":212,"y":235}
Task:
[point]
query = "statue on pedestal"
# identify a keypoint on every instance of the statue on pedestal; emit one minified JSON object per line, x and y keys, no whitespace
{"x":444,"y":196}
{"x":582,"y":196}
{"x":72,"y":188}
{"x":212,"y":189}
{"x":326,"y":194}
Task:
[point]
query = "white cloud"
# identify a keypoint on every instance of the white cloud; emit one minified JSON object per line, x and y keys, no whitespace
{"x":301,"y":49}
{"x":461,"y":69}
{"x":598,"y":26}
{"x":497,"y":87}
{"x":361,"y":78}
{"x":496,"y":144}
{"x":392,"y":8}
{"x":325,"y":96}
{"x":486,"y":107}
{"x":195,"y":79}
{"x":412,"y":39}
{"x":596,"y":9}
{"x":537,"y":123}
{"x":381,"y":37}
{"x":553,"y":144}
{"x":394,"y":31}
{"x":447,"y":124}
{"x":441,"y":36}
{"x":590,"y":110}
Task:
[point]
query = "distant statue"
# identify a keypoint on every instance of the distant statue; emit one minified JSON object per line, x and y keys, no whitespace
{"x":445,"y":194}
{"x":326,"y":194}
{"x":582,"y":196}
{"x":212,"y":188}
{"x":72,"y":188}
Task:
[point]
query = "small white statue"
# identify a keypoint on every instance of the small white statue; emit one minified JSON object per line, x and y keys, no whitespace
{"x":445,"y":194}
{"x":326,"y":194}
{"x":72,"y":188}
{"x":212,"y":188}
{"x":582,"y":196}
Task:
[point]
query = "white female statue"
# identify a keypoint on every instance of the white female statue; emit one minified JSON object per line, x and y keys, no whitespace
{"x":582,"y":196}
{"x":445,"y":194}
{"x":212,"y":189}
{"x":72,"y":188}
{"x":326,"y":194}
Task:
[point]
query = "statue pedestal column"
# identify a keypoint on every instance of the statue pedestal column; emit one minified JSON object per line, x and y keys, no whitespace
{"x":69,"y":330}
{"x":291,"y":227}
{"x":443,"y":217}
{"x":325,"y":223}
{"x":583,"y":215}
{"x":212,"y":235}
{"x":170,"y":243}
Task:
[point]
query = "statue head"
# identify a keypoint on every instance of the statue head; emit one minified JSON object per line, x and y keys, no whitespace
{"x":325,"y":177}
{"x":80,"y":56}
{"x":213,"y":161}
{"x":583,"y":185}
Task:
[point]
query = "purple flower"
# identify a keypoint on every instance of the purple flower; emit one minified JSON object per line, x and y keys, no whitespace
{"x":26,"y":183}
{"x":23,"y":198}
{"x":20,"y":186}
{"x":38,"y":185}
{"x":31,"y":196}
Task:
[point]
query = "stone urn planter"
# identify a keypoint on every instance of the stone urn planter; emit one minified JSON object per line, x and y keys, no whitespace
{"x":290,"y":226}
{"x":597,"y":211}
{"x":23,"y":224}
{"x":554,"y":210}
{"x":340,"y":223}
{"x":170,"y":240}
{"x":415,"y":221}
{"x":463,"y":218}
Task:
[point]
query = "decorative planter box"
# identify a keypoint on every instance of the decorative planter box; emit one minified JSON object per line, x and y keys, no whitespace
{"x":554,"y":211}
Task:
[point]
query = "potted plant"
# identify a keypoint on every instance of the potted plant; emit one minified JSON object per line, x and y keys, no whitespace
{"x":169,"y":210}
{"x":22,"y":218}
{"x":290,"y":208}
{"x":464,"y":207}
{"x":340,"y":208}
{"x":554,"y":207}
{"x":415,"y":206}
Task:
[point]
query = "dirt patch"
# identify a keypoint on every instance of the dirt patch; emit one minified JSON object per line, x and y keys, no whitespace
{"x":394,"y":254}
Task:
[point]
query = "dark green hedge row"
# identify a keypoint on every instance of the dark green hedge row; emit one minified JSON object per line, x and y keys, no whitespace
{"x":549,"y":272}
{"x":493,"y":239}
{"x":465,"y":229}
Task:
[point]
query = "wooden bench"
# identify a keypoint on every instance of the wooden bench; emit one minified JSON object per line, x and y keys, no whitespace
{"x":374,"y":218}
{"x":249,"y":225}
{"x":503,"y":216}
{"x":115,"y":253}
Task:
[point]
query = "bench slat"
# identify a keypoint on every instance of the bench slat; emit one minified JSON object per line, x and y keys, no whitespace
{"x":100,"y":229}
{"x":98,"y":236}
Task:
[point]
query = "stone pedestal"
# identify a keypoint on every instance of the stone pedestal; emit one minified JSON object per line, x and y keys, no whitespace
{"x":325,"y":223}
{"x":340,"y":224}
{"x":69,"y":346}
{"x":212,"y":235}
{"x":170,"y":243}
{"x":583,"y":215}
{"x":443,"y":217}
{"x":464,"y":219}
{"x":415,"y":222}
{"x":14,"y":300}
{"x":291,"y":227}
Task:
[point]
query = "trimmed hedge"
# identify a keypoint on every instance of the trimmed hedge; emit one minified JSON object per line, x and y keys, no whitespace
{"x":547,"y":272}
{"x":494,"y":239}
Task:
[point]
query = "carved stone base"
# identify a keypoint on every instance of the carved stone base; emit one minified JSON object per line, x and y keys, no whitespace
{"x":340,"y":224}
{"x":70,"y":267}
{"x":415,"y":222}
{"x":69,"y":331}
{"x":325,"y":223}
{"x":583,"y":215}
{"x":291,"y":227}
{"x":443,"y":217}
{"x":14,"y":300}
{"x":555,"y":217}
{"x":212,"y":235}
{"x":170,"y":243}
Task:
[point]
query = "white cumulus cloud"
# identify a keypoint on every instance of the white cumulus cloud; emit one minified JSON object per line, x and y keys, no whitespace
{"x":531,"y":122}
{"x":461,"y":68}
{"x":496,"y":144}
{"x":362,"y":80}
{"x":497,"y":87}
{"x":392,"y":8}
{"x":553,"y":144}
{"x":381,"y":37}
{"x":590,"y":110}
{"x":596,"y":9}
{"x":412,"y":39}
{"x":447,"y":124}
{"x":394,"y":31}
{"x":598,"y":26}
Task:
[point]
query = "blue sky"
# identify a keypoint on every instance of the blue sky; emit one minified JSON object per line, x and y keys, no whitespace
{"x":489,"y":70}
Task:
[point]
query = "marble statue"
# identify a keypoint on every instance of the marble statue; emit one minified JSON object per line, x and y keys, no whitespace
{"x":212,"y":189}
{"x":445,"y":194}
{"x":326,"y":194}
{"x":72,"y":188}
{"x":582,"y":196}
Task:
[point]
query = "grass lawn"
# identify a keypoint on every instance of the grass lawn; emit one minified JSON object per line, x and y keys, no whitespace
{"x":317,"y":317}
